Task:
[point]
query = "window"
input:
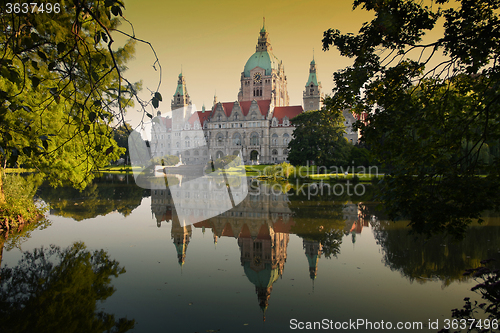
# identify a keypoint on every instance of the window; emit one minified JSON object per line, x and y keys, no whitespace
{"x":286,"y":139}
{"x":187,"y":143}
{"x":237,"y":139}
{"x":274,"y":139}
{"x":220,"y":139}
{"x":275,"y":122}
{"x":275,"y":152}
{"x":254,"y":139}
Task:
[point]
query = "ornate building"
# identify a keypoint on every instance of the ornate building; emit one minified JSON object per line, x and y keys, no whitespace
{"x":257,"y":126}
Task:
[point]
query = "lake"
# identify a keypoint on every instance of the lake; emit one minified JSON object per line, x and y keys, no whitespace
{"x":277,"y":262}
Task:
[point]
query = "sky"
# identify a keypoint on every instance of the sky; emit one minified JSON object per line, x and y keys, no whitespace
{"x":210,"y":42}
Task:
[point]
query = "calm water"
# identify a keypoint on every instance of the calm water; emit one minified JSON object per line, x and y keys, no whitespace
{"x":271,"y":259}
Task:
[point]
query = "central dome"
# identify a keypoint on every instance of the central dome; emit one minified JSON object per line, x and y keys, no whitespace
{"x":263,"y":59}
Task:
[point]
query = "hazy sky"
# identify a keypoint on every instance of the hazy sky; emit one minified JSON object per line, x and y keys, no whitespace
{"x":212,"y":40}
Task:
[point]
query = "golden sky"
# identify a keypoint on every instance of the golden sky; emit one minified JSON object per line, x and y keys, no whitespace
{"x":212,"y":40}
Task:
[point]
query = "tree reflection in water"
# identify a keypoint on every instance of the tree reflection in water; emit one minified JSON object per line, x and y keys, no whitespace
{"x":105,"y":195}
{"x":57,"y":290}
{"x":421,"y":258}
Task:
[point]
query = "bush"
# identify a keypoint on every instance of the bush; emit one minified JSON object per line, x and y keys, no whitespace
{"x":167,"y":160}
{"x":20,"y":207}
{"x":283,"y":170}
{"x":230,"y":161}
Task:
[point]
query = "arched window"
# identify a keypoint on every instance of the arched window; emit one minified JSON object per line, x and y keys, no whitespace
{"x":274,"y":139}
{"x":254,"y":139}
{"x":236,"y":116}
{"x":236,"y":139}
{"x":178,"y":144}
{"x":275,"y":152}
{"x":275,"y":122}
{"x":253,"y":115}
{"x":285,"y":152}
{"x":220,"y":139}
{"x":286,"y":139}
{"x":187,"y":143}
{"x":196,"y":141}
{"x":219,"y":117}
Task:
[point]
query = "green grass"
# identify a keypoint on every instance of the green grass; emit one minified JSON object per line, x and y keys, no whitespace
{"x":119,"y":169}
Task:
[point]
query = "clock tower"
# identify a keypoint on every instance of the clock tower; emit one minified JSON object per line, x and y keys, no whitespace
{"x":312,"y":94}
{"x":263,"y":77}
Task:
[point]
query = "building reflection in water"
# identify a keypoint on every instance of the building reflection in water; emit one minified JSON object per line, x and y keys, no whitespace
{"x":261,"y":223}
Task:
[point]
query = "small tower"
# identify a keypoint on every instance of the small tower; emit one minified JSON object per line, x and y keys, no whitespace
{"x":312,"y":95}
{"x":181,"y":236}
{"x":180,"y":104}
{"x":181,"y":96}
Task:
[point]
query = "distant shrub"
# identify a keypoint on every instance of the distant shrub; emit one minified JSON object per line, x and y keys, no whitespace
{"x":167,"y":160}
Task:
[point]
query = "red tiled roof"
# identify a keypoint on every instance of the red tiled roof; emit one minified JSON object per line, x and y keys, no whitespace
{"x":264,"y":232}
{"x":228,"y":231}
{"x":167,"y":122}
{"x":263,"y":106}
{"x":287,"y":111}
{"x":199,"y":115}
{"x":228,"y":108}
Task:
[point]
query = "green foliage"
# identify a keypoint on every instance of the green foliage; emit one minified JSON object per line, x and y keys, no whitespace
{"x":488,"y":278}
{"x":62,"y":87}
{"x":19,"y":206}
{"x":279,"y":171}
{"x":58,"y":290}
{"x":318,"y":137}
{"x":431,"y":125}
{"x":167,"y":160}
{"x":360,"y":156}
{"x":120,"y":135}
{"x":228,"y":161}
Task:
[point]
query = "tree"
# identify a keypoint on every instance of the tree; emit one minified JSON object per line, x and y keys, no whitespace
{"x":121,"y":135}
{"x":431,"y":107}
{"x":62,"y":88}
{"x":57,"y":290}
{"x":318,"y":137}
{"x":488,"y":279}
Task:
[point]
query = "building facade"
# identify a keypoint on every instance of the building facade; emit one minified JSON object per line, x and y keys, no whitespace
{"x":257,"y":126}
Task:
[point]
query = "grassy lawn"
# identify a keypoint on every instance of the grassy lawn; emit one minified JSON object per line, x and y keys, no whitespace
{"x":119,"y":169}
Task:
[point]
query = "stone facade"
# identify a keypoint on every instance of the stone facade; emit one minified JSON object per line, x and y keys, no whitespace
{"x":257,"y":126}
